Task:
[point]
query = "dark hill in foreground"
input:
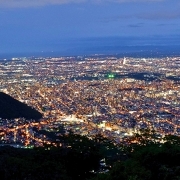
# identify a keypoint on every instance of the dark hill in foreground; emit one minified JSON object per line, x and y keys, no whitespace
{"x":11,"y":108}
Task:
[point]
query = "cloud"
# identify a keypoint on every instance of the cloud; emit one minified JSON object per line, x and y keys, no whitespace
{"x":34,"y":3}
{"x":123,"y":1}
{"x":159,"y":15}
{"x":154,"y":16}
{"x":136,"y":25}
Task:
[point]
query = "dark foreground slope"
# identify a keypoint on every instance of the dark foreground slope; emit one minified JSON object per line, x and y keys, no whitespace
{"x":74,"y":161}
{"x":79,"y":156}
{"x":12,"y":108}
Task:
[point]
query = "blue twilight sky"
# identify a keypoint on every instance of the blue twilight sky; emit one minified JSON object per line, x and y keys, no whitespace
{"x":52,"y":25}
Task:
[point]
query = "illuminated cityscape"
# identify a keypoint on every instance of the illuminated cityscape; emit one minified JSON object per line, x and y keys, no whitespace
{"x":115,"y":97}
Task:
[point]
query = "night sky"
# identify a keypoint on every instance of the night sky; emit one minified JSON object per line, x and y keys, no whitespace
{"x":46,"y":25}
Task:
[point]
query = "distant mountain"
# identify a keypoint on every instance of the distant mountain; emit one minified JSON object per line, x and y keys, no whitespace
{"x":11,"y":108}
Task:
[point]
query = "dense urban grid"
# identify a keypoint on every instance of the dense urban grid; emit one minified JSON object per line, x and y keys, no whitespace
{"x":107,"y":95}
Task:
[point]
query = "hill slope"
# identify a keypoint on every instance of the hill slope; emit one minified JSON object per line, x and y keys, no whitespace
{"x":12,"y":108}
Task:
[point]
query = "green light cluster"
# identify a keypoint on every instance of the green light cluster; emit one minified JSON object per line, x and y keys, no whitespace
{"x":110,"y":75}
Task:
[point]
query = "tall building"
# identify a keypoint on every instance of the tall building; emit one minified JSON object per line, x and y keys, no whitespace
{"x":124,"y":61}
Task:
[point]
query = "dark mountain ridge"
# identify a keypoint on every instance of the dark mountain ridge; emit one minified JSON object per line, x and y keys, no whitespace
{"x":11,"y":108}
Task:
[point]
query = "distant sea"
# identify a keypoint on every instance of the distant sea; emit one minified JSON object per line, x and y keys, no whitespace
{"x":119,"y":46}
